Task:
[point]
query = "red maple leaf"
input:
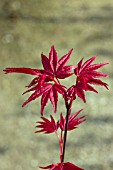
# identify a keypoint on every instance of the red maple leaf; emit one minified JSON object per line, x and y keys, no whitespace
{"x":86,"y":72}
{"x":47,"y":91}
{"x":47,"y":126}
{"x":62,"y":166}
{"x":57,"y":68}
{"x":54,"y":69}
{"x":73,"y":121}
{"x":86,"y":77}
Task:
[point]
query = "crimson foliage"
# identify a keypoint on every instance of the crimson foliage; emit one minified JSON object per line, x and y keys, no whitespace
{"x":47,"y":85}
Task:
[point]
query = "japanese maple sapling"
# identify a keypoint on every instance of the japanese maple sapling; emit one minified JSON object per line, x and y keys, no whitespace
{"x":47,"y":85}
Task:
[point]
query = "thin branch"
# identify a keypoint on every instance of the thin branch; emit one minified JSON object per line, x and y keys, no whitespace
{"x":66,"y":127}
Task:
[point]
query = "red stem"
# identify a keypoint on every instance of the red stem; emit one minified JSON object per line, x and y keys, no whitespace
{"x":60,"y":144}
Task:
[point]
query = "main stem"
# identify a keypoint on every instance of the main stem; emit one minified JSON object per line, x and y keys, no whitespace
{"x":65,"y":132}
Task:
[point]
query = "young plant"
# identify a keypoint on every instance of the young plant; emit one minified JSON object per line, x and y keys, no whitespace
{"x":47,"y":85}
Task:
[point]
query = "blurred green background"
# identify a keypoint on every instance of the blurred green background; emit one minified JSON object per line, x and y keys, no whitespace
{"x":28,"y":28}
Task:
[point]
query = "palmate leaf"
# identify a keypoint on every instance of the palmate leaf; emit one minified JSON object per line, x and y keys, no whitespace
{"x":38,"y":92}
{"x":86,"y":76}
{"x":52,"y":94}
{"x":87,"y":69}
{"x":47,"y":126}
{"x":82,"y":69}
{"x":73,"y":122}
{"x":46,"y":83}
{"x":47,"y":91}
{"x":57,"y":68}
